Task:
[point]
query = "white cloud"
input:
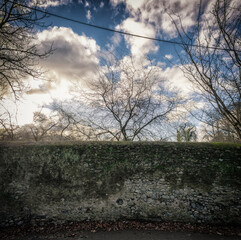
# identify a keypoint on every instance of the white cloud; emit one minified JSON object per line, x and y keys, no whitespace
{"x":102,"y":4}
{"x":116,"y":39}
{"x":87,"y":4}
{"x":176,"y":78}
{"x":88,"y":15}
{"x":168,"y":56}
{"x":73,"y":60}
{"x":129,"y":3}
{"x":149,"y":18}
{"x":51,"y":3}
{"x":208,"y":19}
{"x":135,"y":5}
{"x":139,"y":47}
{"x":114,"y":3}
{"x":74,"y":57}
{"x":161,"y":13}
{"x":155,"y":12}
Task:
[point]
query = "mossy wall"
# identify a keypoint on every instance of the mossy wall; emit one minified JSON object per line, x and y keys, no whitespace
{"x":198,"y":183}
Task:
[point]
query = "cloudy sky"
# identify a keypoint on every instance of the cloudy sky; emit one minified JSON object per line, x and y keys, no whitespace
{"x":78,"y":47}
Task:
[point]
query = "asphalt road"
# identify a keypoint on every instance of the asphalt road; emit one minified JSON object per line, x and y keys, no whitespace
{"x":128,"y":235}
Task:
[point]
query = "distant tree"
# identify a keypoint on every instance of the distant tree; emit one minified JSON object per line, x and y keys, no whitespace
{"x":41,"y":126}
{"x":19,"y":52}
{"x":66,"y":123}
{"x":215,"y":68}
{"x":70,"y":125}
{"x":186,"y":133}
{"x":127,"y":100}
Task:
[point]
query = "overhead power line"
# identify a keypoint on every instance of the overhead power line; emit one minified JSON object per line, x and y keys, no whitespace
{"x":122,"y":32}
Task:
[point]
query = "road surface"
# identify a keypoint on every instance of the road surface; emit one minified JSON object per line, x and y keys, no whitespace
{"x":127,"y":235}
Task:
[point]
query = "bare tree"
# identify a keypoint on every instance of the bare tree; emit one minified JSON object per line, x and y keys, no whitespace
{"x":218,"y":129}
{"x":127,"y":100}
{"x":8,"y":124}
{"x":70,"y":125}
{"x":19,"y":52}
{"x":215,"y":68}
{"x":41,"y":126}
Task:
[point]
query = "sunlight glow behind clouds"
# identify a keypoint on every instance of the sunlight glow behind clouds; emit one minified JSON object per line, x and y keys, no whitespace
{"x":74,"y":60}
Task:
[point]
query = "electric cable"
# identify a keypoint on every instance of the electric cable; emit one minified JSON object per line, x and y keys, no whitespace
{"x":122,"y":32}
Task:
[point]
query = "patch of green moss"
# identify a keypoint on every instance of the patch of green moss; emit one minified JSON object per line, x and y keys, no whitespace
{"x":111,"y":163}
{"x":225,"y":145}
{"x":199,"y":178}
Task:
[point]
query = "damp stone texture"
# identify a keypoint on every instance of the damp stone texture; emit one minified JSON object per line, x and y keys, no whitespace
{"x":166,"y":182}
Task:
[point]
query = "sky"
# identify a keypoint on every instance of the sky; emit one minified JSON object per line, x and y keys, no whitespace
{"x":77,"y":47}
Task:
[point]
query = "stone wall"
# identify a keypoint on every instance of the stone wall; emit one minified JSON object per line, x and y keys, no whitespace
{"x":197,"y":183}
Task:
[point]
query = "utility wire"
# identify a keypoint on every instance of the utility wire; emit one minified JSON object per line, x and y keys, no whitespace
{"x":122,"y":32}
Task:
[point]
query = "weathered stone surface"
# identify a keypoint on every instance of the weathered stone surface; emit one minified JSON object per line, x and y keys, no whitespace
{"x":110,"y":181}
